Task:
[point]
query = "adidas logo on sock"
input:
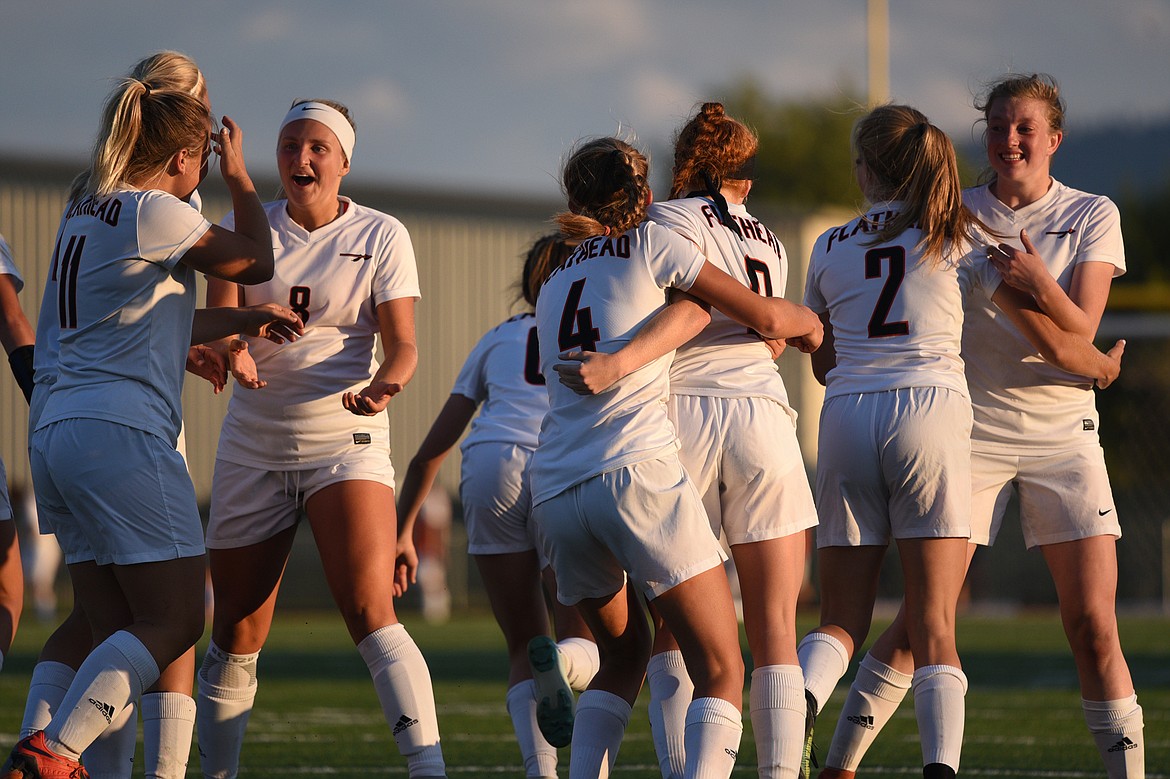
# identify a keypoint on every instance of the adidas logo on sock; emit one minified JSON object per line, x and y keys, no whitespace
{"x":403,"y":723}
{"x":106,"y":709}
{"x":1123,"y":745}
{"x":862,"y":720}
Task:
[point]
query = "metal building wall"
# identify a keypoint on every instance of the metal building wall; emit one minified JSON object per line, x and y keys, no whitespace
{"x":469,"y":251}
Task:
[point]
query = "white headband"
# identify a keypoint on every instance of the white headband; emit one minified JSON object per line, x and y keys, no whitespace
{"x":328,"y":116}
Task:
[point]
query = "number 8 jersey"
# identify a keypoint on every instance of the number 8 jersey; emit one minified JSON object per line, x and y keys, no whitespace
{"x":335,"y":277}
{"x":602,"y":295}
{"x":897,"y":322}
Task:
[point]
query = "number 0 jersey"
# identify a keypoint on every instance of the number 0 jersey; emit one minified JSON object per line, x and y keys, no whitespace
{"x":897,"y":322}
{"x":122,"y":310}
{"x":335,"y":277}
{"x":502,"y":372}
{"x":727,"y":359}
{"x":1022,"y":402}
{"x":602,"y":295}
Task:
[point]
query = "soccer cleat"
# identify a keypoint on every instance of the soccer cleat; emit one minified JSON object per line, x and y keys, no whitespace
{"x":555,"y":706}
{"x":808,"y":758}
{"x":31,"y":759}
{"x":938,"y":771}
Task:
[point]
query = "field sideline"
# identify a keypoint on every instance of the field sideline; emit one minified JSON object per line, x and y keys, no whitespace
{"x":317,"y":714}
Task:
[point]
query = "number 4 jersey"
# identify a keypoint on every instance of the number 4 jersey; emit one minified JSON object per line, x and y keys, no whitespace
{"x":897,"y":321}
{"x":602,"y":295}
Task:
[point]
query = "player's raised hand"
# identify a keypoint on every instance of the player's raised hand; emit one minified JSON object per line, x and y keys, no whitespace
{"x":1023,"y":269}
{"x":372,"y":400}
{"x":229,"y":143}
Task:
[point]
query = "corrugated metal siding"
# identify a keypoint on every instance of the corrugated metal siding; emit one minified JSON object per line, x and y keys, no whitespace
{"x":469,"y":252}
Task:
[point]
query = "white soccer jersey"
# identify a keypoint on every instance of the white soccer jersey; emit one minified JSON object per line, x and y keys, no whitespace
{"x":896,"y":320}
{"x":603,"y":294}
{"x":8,"y":267}
{"x":503,"y":374}
{"x":335,"y":277}
{"x":121,"y":309}
{"x":1021,"y":402}
{"x":727,"y":359}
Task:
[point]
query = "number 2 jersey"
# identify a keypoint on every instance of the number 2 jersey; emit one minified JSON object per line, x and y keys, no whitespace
{"x":897,"y":321}
{"x":727,"y":359}
{"x":502,"y":373}
{"x":119,"y":306}
{"x":596,"y":301}
{"x":335,"y":277}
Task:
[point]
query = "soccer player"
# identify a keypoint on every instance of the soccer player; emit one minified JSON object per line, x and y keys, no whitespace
{"x":316,"y":440}
{"x":168,"y":710}
{"x":501,"y":378}
{"x":894,"y":454}
{"x":738,"y":444}
{"x":16,"y":335}
{"x":1038,"y":432}
{"x":124,"y":266}
{"x":610,"y":497}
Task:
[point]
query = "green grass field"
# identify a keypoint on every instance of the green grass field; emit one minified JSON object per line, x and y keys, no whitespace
{"x":316,"y":712}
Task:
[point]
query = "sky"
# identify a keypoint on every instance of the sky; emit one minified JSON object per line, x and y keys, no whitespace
{"x":489,"y":96}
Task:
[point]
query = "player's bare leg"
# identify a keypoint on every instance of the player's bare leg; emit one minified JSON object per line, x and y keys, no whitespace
{"x":11,"y":585}
{"x":603,"y":711}
{"x":933,"y":569}
{"x":245,"y":581}
{"x":356,"y":533}
{"x":1085,"y":574}
{"x":702,"y":618}
{"x":514,"y":590}
{"x":770,"y":574}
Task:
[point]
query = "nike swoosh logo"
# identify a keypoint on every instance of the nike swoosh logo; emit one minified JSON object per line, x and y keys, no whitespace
{"x":1101,"y":513}
{"x":356,"y":257}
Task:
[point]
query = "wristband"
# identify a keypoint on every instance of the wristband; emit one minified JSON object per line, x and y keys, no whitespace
{"x":21,"y":361}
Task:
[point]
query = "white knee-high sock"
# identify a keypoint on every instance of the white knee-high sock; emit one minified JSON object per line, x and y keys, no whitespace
{"x":713,"y":732}
{"x":227,"y":692}
{"x":168,"y":720}
{"x":871,"y":703}
{"x":111,"y":755}
{"x":111,"y":678}
{"x":580,"y":660}
{"x":540,"y":757}
{"x":50,"y":681}
{"x":671,"y":692}
{"x":938,"y":707}
{"x":778,"y":710}
{"x":824,"y":661}
{"x":1117,"y":727}
{"x":403,"y":683}
{"x":601,"y":723}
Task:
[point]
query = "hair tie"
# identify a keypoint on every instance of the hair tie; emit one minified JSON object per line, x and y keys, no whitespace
{"x":720,"y":203}
{"x":746,"y":169}
{"x":147,"y":88}
{"x":922,"y":128}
